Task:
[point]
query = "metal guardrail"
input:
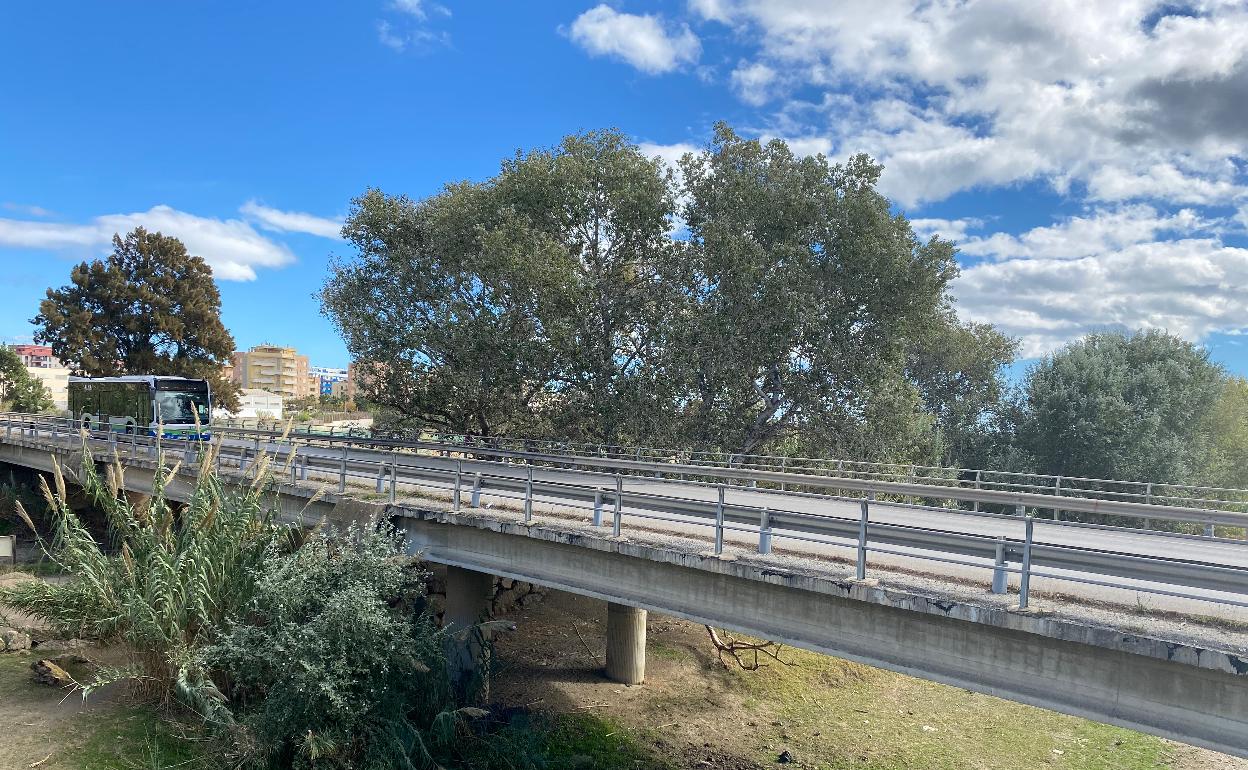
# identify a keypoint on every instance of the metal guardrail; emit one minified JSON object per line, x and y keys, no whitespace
{"x":1147,"y":492}
{"x":688,"y":495}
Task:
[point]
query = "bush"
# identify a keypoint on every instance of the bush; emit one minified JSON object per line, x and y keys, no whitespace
{"x":321,"y":671}
{"x":172,"y":576}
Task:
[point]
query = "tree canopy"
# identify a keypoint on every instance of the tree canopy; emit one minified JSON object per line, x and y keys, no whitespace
{"x":755,"y":301}
{"x":19,"y":391}
{"x":148,"y":308}
{"x":1118,"y":406}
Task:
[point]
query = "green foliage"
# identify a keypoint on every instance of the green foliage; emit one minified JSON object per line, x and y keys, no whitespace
{"x":1114,"y":406}
{"x":802,"y":295}
{"x":957,"y":368}
{"x":321,"y":672}
{"x":18,"y":389}
{"x":556,"y":300}
{"x":149,"y":308}
{"x":1226,"y":426}
{"x":171,"y":577}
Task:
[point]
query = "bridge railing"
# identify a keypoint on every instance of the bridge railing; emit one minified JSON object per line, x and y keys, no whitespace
{"x":1186,"y":495}
{"x":734,"y":502}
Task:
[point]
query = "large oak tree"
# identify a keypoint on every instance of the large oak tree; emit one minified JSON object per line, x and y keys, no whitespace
{"x":148,"y":308}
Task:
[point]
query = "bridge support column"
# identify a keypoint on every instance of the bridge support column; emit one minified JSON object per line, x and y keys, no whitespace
{"x":626,"y":644}
{"x":467,"y":604}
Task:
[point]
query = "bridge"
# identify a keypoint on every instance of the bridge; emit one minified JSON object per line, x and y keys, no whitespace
{"x":978,"y":580}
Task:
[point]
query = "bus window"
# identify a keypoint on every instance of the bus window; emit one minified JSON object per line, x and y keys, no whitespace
{"x":182,"y":407}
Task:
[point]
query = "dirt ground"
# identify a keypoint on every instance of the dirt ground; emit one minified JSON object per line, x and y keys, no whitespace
{"x":826,"y":713}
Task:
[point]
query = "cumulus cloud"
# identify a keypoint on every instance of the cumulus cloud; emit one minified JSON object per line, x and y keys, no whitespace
{"x":291,"y":221}
{"x":754,"y":82}
{"x":1190,"y":287}
{"x":646,"y":42}
{"x":232,"y":247}
{"x":947,"y":229}
{"x":1108,"y":270}
{"x":1136,"y":99}
{"x":1101,"y":231}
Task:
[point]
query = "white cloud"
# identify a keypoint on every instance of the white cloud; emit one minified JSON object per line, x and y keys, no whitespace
{"x":1190,"y":287}
{"x":1163,"y":181}
{"x":1106,"y":270}
{"x":669,"y":153}
{"x":1135,"y":98}
{"x":645,"y":41}
{"x":232,"y":247}
{"x":1099,"y":232}
{"x":390,"y":38}
{"x":411,"y":27}
{"x":420,"y":9}
{"x":949,"y":229}
{"x":291,"y":221}
{"x":27,"y":209}
{"x":753,"y":82}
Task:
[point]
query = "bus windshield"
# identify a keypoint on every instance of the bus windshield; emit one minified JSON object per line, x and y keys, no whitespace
{"x":179,"y":406}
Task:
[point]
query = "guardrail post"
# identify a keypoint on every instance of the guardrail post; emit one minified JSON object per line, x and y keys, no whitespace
{"x":783,"y":462}
{"x":294,"y":466}
{"x":597,"y":507}
{"x":1148,"y":500}
{"x":342,"y":471}
{"x":1024,"y":581}
{"x":1057,"y":492}
{"x":475,"y":500}
{"x":975,"y":503}
{"x":394,"y":473}
{"x":863,"y":520}
{"x":617,"y":515}
{"x":719,"y":522}
{"x":528,"y":494}
{"x":303,"y":469}
{"x":999,"y":575}
{"x":455,"y":500}
{"x":1209,"y":530}
{"x":381,"y":477}
{"x":764,"y":532}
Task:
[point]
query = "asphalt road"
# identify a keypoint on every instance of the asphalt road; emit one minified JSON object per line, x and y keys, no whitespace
{"x":744,"y":501}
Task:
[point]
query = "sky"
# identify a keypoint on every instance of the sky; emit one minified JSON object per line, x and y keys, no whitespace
{"x":1090,"y":159}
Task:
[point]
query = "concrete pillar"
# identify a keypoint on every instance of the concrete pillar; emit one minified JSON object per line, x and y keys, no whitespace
{"x":626,"y":644}
{"x":468,"y":595}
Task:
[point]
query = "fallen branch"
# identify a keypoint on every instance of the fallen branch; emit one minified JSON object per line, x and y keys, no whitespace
{"x":735,"y":648}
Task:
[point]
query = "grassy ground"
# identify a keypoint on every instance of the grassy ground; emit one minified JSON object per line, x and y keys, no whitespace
{"x":44,"y":729}
{"x":825,"y":712}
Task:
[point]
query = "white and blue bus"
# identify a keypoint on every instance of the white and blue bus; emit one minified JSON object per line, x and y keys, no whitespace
{"x":177,"y":407}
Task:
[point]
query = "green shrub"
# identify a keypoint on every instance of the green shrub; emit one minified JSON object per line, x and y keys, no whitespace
{"x":320,"y":670}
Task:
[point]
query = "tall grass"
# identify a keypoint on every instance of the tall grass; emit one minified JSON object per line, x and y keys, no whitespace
{"x":169,"y":574}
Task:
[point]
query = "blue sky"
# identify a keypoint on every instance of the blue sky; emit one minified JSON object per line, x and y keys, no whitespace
{"x":1089,"y":159}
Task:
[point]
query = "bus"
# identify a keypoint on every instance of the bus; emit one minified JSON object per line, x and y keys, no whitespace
{"x":176,"y":407}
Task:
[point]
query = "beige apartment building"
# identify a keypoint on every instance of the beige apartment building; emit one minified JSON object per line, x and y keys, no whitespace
{"x":277,"y":369}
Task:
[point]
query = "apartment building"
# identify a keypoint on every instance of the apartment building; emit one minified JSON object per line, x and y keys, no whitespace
{"x":275,"y":368}
{"x":37,"y":357}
